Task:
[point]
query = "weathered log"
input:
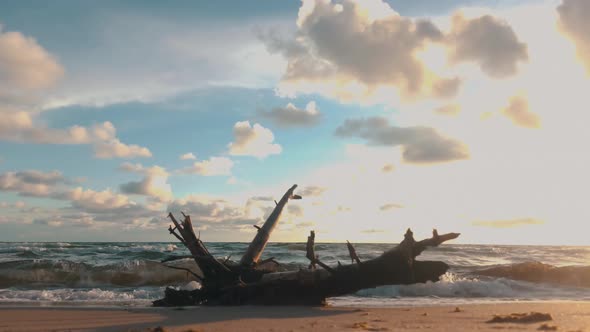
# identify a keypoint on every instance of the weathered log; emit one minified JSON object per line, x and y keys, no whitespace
{"x":396,"y":266}
{"x":214,"y":272}
{"x":248,"y":282}
{"x":352,"y":253}
{"x":313,"y":258}
{"x":256,"y":247}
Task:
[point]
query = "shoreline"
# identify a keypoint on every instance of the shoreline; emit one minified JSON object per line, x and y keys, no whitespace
{"x":567,"y":316}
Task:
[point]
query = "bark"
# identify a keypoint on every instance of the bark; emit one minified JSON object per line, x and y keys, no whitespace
{"x":259,"y":242}
{"x":251,"y":281}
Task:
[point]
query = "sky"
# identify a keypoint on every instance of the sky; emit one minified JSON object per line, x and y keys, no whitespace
{"x":462,"y":115}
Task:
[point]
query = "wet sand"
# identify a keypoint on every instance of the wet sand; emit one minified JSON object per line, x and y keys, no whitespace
{"x":567,"y":316}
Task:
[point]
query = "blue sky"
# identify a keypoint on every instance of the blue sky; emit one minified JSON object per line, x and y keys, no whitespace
{"x":408,"y":128}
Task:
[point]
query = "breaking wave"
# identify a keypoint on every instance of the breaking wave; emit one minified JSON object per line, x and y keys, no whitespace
{"x":142,"y":296}
{"x":45,"y":273}
{"x":454,"y":286}
{"x":127,"y":273}
{"x":536,"y":272}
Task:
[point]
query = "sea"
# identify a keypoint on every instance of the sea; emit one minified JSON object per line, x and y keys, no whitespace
{"x":130,"y":274}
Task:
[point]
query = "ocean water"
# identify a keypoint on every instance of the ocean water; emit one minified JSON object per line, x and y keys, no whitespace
{"x":130,"y":274}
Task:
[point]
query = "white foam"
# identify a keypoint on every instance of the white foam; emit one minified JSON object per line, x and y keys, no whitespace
{"x":170,"y":248}
{"x":138,"y":296}
{"x":453,"y":286}
{"x":191,"y":286}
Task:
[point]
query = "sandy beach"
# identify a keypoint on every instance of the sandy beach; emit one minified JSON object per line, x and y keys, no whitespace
{"x":566,"y":316}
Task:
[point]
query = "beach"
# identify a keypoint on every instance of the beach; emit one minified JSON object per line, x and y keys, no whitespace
{"x":566,"y":316}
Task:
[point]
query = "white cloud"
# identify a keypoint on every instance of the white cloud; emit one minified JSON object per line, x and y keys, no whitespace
{"x":134,"y":168}
{"x":351,"y":49}
{"x":487,"y":41}
{"x":14,"y":122}
{"x":573,"y":21}
{"x":363,"y":51}
{"x":390,"y":206}
{"x":20,"y":127}
{"x":291,"y":116}
{"x":87,"y":207}
{"x":154,"y":183}
{"x":420,"y":145}
{"x":15,"y":205}
{"x":32,"y":182}
{"x":213,"y":166}
{"x":24,"y":64}
{"x":219,"y":216}
{"x":115,"y":149}
{"x":518,"y":112}
{"x":449,"y":109}
{"x":511,"y":223}
{"x":312,"y":191}
{"x":188,"y":156}
{"x":27,"y":69}
{"x":173,"y":60}
{"x":97,"y":201}
{"x":255,"y":141}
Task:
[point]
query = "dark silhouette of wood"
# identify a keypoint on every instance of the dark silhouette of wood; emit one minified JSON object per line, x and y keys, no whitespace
{"x":256,"y":247}
{"x":251,"y":281}
{"x":352,"y":253}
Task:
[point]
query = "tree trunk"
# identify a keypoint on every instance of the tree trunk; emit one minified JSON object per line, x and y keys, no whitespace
{"x":258,"y":244}
{"x":226,"y":283}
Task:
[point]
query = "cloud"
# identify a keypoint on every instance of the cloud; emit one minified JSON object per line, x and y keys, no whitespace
{"x":209,"y":210}
{"x":48,"y":222}
{"x":255,"y":141}
{"x":449,"y":109}
{"x":364,"y":51}
{"x":24,"y":64}
{"x":352,"y":48}
{"x":132,"y":217}
{"x":87,"y":207}
{"x":32,"y":182}
{"x":97,"y":201}
{"x":173,"y":59}
{"x":214,"y":166}
{"x":134,"y":168}
{"x":573,"y":21}
{"x":312,"y":191}
{"x":27,"y":72}
{"x":154,"y":183}
{"x":518,"y":112}
{"x":295,"y":211}
{"x":20,"y":127}
{"x":38,"y":177}
{"x":489,"y":42}
{"x":188,"y":156}
{"x":291,"y":116}
{"x":115,"y":149}
{"x":56,"y":186}
{"x":390,"y":206}
{"x":420,"y":145}
{"x":261,"y":198}
{"x":373,"y":231}
{"x":14,"y":122}
{"x":387,"y":168}
{"x":508,"y":223}
{"x":15,"y":205}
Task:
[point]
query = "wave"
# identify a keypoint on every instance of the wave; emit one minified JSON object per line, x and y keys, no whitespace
{"x":536,"y":272}
{"x":28,"y":254}
{"x":142,"y":296}
{"x":454,"y":286}
{"x":45,"y":273}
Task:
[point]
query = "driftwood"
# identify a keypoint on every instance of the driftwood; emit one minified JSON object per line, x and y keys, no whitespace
{"x":252,"y":281}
